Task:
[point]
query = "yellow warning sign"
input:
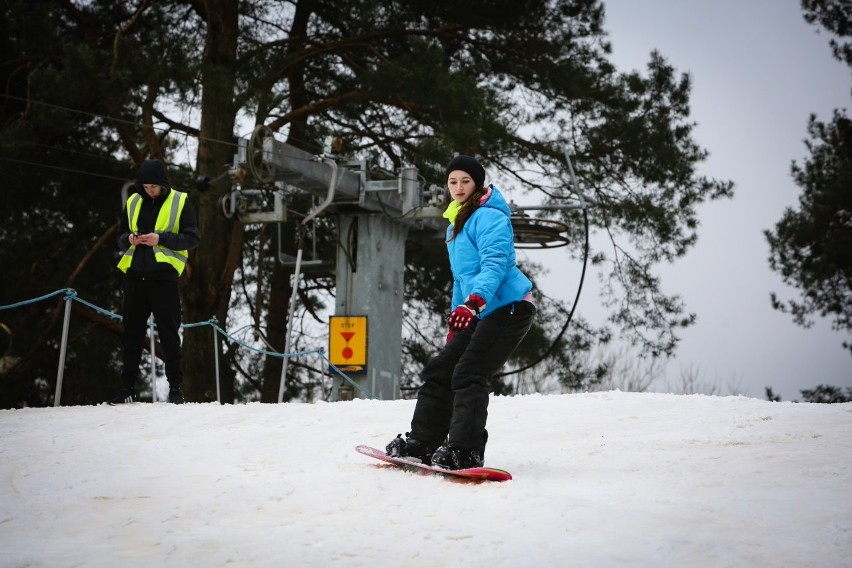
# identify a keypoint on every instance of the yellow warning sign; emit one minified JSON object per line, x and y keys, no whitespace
{"x":347,"y":340}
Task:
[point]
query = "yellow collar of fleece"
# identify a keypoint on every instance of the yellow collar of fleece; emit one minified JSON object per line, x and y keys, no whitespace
{"x":452,"y":212}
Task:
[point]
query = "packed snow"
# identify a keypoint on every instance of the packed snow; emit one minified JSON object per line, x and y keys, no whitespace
{"x":601,"y":479}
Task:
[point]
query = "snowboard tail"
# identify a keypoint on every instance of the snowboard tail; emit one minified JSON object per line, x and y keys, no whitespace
{"x":472,"y":474}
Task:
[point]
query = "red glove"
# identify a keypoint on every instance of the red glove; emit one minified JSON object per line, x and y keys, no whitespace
{"x":450,"y":335}
{"x":461,"y":317}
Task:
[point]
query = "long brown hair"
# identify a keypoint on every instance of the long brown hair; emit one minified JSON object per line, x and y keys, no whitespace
{"x":470,"y":205}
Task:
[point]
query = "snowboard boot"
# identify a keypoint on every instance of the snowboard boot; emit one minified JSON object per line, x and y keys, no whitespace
{"x":124,"y":396}
{"x":175,"y":396}
{"x":411,"y":448}
{"x":448,"y":457}
{"x":451,"y":457}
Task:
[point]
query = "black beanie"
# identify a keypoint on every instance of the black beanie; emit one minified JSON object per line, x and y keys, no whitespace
{"x":470,"y":166}
{"x":152,"y":171}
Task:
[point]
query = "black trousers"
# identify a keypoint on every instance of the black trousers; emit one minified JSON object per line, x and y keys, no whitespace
{"x":453,"y":400}
{"x":141,"y":299}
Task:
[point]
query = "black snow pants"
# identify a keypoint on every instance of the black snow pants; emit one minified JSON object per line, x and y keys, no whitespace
{"x":142,"y":298}
{"x":453,"y":400}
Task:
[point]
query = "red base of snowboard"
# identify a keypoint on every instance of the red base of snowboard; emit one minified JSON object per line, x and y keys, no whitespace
{"x":473,"y":474}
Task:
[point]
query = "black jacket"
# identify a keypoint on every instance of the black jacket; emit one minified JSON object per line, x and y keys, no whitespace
{"x":144,"y":264}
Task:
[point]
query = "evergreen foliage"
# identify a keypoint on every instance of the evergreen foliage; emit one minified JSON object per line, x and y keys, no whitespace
{"x":812,"y":247}
{"x":827,"y":394}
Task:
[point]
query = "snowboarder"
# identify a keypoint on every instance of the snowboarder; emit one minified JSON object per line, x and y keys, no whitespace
{"x":493,"y":312}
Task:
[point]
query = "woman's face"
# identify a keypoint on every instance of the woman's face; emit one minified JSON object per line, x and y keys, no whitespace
{"x":461,"y":185}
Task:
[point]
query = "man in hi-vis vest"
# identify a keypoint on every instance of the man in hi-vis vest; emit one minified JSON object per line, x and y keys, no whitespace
{"x":158,"y":228}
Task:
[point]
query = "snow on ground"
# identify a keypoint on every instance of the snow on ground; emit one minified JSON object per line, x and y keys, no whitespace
{"x":603,"y":479}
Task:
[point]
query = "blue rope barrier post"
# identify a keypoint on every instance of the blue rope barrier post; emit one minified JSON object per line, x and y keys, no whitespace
{"x":60,"y":372}
{"x":153,"y":358}
{"x":216,"y":359}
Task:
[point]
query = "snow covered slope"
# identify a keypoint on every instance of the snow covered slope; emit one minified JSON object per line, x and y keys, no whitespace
{"x":604,"y":479}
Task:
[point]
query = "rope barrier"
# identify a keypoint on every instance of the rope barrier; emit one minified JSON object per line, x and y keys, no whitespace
{"x":34,"y":300}
{"x":71,"y":294}
{"x":348,"y":380}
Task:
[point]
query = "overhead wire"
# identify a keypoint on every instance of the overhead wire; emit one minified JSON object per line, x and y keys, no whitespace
{"x":584,"y":207}
{"x":304,"y":144}
{"x":67,"y":170}
{"x":98,"y":116}
{"x":111,"y":118}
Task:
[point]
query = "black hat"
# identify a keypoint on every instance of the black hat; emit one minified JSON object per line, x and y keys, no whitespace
{"x":470,"y":166}
{"x":152,"y":171}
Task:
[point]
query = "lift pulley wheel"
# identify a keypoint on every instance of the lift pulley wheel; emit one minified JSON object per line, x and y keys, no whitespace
{"x":539,"y":233}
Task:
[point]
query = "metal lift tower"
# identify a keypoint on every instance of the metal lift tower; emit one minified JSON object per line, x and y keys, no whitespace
{"x":373,"y":219}
{"x":376,"y":217}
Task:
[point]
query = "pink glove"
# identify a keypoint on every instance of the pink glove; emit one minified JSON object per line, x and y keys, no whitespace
{"x":461,"y":317}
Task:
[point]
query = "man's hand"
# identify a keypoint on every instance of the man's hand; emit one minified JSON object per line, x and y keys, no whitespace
{"x":461,"y":317}
{"x":149,"y":239}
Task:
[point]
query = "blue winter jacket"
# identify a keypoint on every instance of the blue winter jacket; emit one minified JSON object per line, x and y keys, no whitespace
{"x":482,"y":257}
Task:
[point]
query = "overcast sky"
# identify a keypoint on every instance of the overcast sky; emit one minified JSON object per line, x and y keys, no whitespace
{"x":758,"y":71}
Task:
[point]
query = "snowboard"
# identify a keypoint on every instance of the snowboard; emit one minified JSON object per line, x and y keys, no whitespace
{"x":472,"y":474}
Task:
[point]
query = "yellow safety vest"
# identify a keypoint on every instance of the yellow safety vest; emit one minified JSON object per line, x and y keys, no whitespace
{"x":167,"y":222}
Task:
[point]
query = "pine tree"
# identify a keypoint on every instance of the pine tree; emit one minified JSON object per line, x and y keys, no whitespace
{"x":812,"y":247}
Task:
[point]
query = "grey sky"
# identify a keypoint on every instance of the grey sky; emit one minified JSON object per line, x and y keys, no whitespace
{"x":758,"y":71}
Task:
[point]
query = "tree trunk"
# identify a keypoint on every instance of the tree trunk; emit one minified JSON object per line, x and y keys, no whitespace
{"x":279,"y":293}
{"x":276,"y":324}
{"x":208,"y":290}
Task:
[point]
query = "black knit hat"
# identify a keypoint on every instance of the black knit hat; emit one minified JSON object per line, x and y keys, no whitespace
{"x":470,"y":166}
{"x":152,"y":171}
